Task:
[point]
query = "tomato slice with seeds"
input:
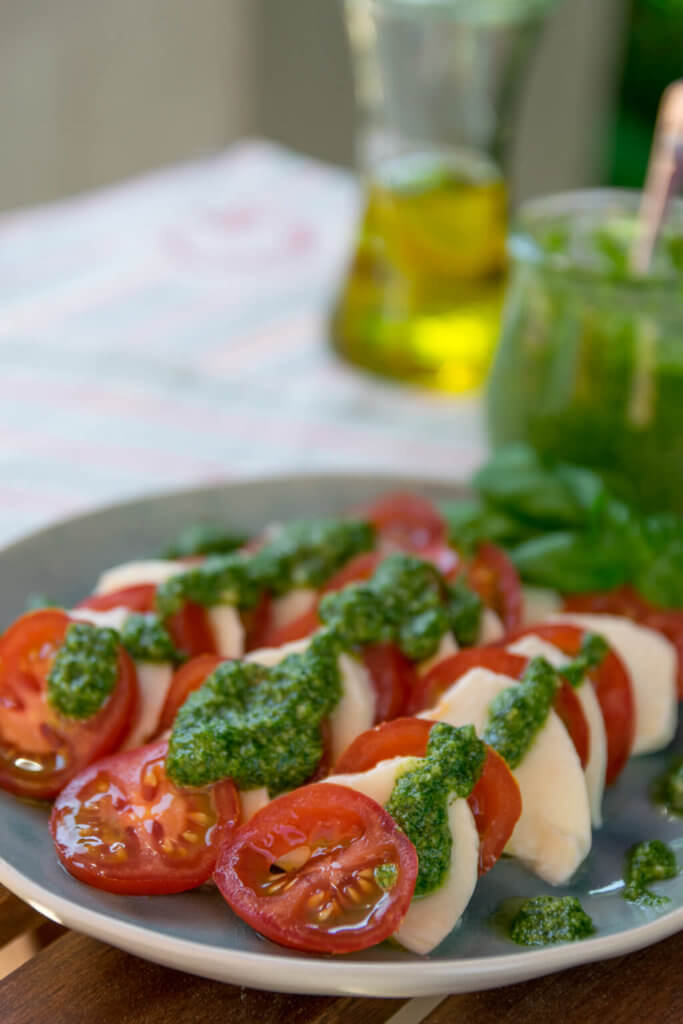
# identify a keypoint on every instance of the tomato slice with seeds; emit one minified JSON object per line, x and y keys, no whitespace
{"x":302,"y":871}
{"x":406,"y":522}
{"x":393,"y":677}
{"x":567,"y":705}
{"x":627,"y":602}
{"x":494,"y":577}
{"x":124,"y":826}
{"x":186,"y":679}
{"x":495,"y":800}
{"x":40,"y":750}
{"x":139,"y":598}
{"x":612,"y":686}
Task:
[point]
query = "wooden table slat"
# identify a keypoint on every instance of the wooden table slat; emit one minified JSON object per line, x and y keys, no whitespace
{"x":644,"y":986}
{"x":77,"y":980}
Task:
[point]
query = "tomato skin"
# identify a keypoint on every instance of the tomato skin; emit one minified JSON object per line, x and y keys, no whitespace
{"x":493,"y":576}
{"x":191,"y":630}
{"x":612,"y":686}
{"x":406,"y":522}
{"x":186,"y":679}
{"x":320,"y":906}
{"x":627,"y":602}
{"x":31,"y":729}
{"x":111,"y":823}
{"x":448,"y":671}
{"x":393,"y":678}
{"x":495,"y":800}
{"x":139,"y":598}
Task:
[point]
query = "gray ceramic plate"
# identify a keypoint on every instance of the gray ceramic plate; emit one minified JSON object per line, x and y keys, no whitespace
{"x":196,"y":931}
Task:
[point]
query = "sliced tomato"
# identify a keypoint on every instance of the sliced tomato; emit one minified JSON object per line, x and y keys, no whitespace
{"x":360,"y":567}
{"x":393,"y":678}
{"x":40,"y":750}
{"x":494,"y":577}
{"x":627,"y":602}
{"x":191,"y":631}
{"x":406,"y":522}
{"x":298,"y":629}
{"x":139,"y":598}
{"x":445,"y":673}
{"x":124,"y":826}
{"x":495,"y":800}
{"x":186,"y":679}
{"x":612,"y":686}
{"x":302,"y":871}
{"x":257,"y":623}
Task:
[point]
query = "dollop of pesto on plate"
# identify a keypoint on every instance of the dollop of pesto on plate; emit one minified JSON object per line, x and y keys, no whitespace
{"x":259,"y":726}
{"x":518,"y":713}
{"x":546,"y":920}
{"x":84,"y":671}
{"x":648,"y":862}
{"x":421,"y":796}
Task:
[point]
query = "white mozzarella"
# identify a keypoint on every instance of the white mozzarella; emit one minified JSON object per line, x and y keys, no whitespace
{"x":114,"y":618}
{"x":430,"y":918}
{"x":252,"y":800}
{"x":491,"y":628}
{"x":553,"y":833}
{"x":533,"y":647}
{"x":290,"y":606}
{"x":448,"y":646}
{"x":651,"y":662}
{"x":154,"y":681}
{"x":130,"y":574}
{"x":355,"y":711}
{"x":227,"y":629}
{"x":539,"y":604}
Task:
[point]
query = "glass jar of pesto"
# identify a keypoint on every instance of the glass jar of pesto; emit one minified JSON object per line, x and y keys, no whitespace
{"x":590,"y":363}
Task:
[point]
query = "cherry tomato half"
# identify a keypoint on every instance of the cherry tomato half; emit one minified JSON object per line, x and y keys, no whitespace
{"x":567,"y":705}
{"x":302,"y":871}
{"x":612,"y":686}
{"x":393,"y":677}
{"x":40,"y":750}
{"x":124,"y":826}
{"x":186,"y":679}
{"x":493,"y":576}
{"x":406,"y":522}
{"x":495,"y":800}
{"x":627,"y":602}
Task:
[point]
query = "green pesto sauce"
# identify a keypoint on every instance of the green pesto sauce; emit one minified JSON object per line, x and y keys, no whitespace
{"x":592,"y":654}
{"x":650,"y":861}
{"x":220,"y":579}
{"x":386,"y":876}
{"x":406,"y":603}
{"x":517,"y":714}
{"x":84,"y":671}
{"x":259,"y":726}
{"x":146,"y":639}
{"x":667,"y":790}
{"x":544,"y":920}
{"x":204,"y":539}
{"x":307,"y":553}
{"x":421,"y":796}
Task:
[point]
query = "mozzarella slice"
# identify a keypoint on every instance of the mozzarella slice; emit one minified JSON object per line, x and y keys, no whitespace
{"x":553,"y":833}
{"x":252,"y":800}
{"x":448,"y":646}
{"x":130,"y":574}
{"x":355,"y":711}
{"x":154,"y":679}
{"x":227,"y":629}
{"x":533,"y":647}
{"x":490,"y":628}
{"x":291,"y":606}
{"x":430,"y":918}
{"x":651,"y":662}
{"x":539,"y":604}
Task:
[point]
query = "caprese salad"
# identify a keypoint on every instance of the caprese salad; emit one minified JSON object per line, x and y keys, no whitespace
{"x":342,"y":723}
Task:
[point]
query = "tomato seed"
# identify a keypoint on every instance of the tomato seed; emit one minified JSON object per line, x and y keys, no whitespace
{"x":190,"y":837}
{"x":199,"y":817}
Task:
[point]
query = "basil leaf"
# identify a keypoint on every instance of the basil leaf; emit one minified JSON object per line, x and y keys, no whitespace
{"x":516,"y":481}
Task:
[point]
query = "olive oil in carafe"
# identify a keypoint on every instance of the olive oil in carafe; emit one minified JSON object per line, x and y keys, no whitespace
{"x":423,"y":296}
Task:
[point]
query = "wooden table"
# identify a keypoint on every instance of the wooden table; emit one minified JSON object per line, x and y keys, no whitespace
{"x":76,"y":980}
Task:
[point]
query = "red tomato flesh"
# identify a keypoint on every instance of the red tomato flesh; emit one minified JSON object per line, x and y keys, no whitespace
{"x":393,"y":677}
{"x":139,"y":598}
{"x":495,"y":800}
{"x":41,"y":750}
{"x":493,"y":576}
{"x":405,"y":522}
{"x":186,"y":679}
{"x":191,"y":630}
{"x":301,"y":871}
{"x":124,"y":826}
{"x":612,"y":686}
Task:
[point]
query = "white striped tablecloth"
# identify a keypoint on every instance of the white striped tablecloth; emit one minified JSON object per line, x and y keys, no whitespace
{"x":172,"y":330}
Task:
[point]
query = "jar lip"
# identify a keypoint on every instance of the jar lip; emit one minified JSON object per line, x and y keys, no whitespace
{"x":492,"y":12}
{"x":584,"y":209}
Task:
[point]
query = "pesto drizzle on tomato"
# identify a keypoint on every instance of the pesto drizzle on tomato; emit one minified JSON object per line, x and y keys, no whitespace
{"x":84,"y":671}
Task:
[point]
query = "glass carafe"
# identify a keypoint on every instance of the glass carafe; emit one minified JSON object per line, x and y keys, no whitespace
{"x":435,"y":82}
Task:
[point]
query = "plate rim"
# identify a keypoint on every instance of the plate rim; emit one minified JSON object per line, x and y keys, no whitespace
{"x":313,"y":974}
